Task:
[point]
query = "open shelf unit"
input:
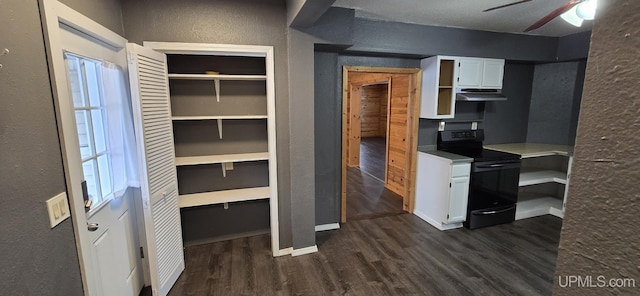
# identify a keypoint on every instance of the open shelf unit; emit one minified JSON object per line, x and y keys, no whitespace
{"x":544,"y":177}
{"x":541,"y":169}
{"x":535,"y":204}
{"x":533,"y":177}
{"x":246,"y":100}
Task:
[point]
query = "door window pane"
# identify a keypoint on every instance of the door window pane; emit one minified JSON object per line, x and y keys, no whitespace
{"x":91,"y":123}
{"x":99,"y":131}
{"x":94,"y":81}
{"x":84,"y":135}
{"x":105,"y":174}
{"x":91,"y":176}
{"x":75,"y":77}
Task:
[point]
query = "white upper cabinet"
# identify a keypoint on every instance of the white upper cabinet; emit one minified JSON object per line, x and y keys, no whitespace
{"x":469,"y":72}
{"x":492,"y":73}
{"x":438,"y":95}
{"x":480,"y":73}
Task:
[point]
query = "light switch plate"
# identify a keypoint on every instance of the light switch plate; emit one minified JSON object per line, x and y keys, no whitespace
{"x":441,"y":126}
{"x":58,"y":208}
{"x":474,"y":125}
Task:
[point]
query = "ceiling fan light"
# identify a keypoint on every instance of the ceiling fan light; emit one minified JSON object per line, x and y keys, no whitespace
{"x":587,"y":10}
{"x":572,"y":17}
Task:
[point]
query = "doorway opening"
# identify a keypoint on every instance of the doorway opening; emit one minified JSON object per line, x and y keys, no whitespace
{"x":373,"y":129}
{"x":379,"y":141}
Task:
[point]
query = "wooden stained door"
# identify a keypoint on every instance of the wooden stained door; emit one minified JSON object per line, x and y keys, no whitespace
{"x":398,"y":135}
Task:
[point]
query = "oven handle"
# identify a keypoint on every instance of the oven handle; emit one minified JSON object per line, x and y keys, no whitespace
{"x":496,"y":166}
{"x":495,"y":212}
{"x":490,"y":166}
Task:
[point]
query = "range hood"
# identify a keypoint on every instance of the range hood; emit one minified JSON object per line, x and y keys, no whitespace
{"x":479,"y":95}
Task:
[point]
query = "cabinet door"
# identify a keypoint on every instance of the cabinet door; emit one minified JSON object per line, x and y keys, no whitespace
{"x":492,"y":73}
{"x":469,"y":72}
{"x":458,"y":198}
{"x":158,"y":179}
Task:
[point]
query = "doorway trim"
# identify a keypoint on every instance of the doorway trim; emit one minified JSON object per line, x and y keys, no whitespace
{"x":412,"y":130}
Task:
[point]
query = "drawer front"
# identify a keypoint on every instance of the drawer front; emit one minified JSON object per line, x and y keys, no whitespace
{"x":461,"y":170}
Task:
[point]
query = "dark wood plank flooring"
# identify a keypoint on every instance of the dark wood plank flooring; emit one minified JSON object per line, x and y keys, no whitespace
{"x":372,"y":156}
{"x":368,"y":198}
{"x":393,"y":255}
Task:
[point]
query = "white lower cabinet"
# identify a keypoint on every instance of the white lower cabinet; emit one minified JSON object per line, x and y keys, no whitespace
{"x":442,"y":189}
{"x":458,"y":199}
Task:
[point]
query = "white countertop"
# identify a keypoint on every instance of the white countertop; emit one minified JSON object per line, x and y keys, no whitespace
{"x":455,"y":158}
{"x":527,"y":150}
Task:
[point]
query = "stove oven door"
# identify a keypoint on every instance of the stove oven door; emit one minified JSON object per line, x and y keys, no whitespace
{"x":493,"y":193}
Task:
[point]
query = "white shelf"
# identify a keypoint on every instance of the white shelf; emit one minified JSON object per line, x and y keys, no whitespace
{"x":181,"y":118}
{"x":533,"y":205}
{"x":532,"y":177}
{"x":219,"y":118}
{"x":224,"y":158}
{"x":218,"y":197}
{"x":216,"y":77}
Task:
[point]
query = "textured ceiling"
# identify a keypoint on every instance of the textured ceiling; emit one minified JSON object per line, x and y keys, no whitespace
{"x":468,"y":14}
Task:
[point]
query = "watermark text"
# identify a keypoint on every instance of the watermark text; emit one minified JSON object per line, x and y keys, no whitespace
{"x":591,"y":281}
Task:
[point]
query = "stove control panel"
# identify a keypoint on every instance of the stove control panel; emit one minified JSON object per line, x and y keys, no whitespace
{"x":463,"y":135}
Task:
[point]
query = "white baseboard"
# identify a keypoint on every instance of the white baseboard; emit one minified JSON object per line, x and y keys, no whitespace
{"x":283,"y":252}
{"x":325,"y":227}
{"x":304,"y":251}
{"x":435,"y":223}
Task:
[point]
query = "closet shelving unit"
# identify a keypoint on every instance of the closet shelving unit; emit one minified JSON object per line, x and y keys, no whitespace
{"x":243,"y":98}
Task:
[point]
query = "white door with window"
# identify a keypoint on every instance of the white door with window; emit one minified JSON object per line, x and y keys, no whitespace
{"x":97,"y":90}
{"x":112,"y":174}
{"x":93,"y":120}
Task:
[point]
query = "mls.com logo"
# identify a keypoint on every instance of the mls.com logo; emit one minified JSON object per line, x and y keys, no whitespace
{"x":589,"y":281}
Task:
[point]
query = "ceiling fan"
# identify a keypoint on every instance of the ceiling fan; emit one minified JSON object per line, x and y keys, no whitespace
{"x":574,"y":12}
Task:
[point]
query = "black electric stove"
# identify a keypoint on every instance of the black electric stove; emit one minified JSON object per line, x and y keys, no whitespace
{"x":493,"y":189}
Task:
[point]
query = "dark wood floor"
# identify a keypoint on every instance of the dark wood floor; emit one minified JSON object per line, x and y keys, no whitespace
{"x":366,"y":195}
{"x":393,"y":255}
{"x":372,"y":156}
{"x":368,"y":198}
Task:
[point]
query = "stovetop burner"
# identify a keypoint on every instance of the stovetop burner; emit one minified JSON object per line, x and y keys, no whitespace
{"x":487,"y":155}
{"x":469,"y":143}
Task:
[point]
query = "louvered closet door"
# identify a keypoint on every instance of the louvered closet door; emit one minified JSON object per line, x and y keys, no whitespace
{"x":154,"y":135}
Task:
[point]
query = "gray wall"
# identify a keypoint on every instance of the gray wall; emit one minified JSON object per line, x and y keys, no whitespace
{"x":301,"y":136}
{"x":340,"y":28}
{"x":229,"y":22}
{"x":506,"y":122}
{"x":557,"y":88}
{"x":328,"y":108}
{"x":599,"y":232}
{"x":104,"y":12}
{"x":574,"y":47}
{"x":37,"y":260}
{"x":327,"y":138}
